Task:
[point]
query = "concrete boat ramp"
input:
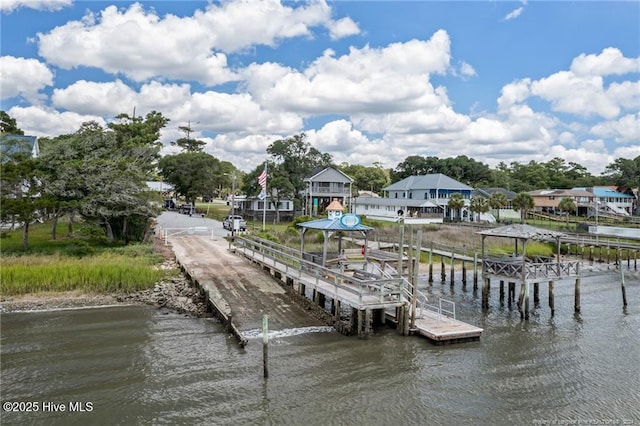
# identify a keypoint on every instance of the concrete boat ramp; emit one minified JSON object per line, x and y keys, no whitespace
{"x":246,"y":280}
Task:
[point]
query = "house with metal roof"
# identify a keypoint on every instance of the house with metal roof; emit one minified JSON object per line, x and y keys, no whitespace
{"x":612,"y":202}
{"x":547,"y":200}
{"x":323,"y":186}
{"x":417,"y":199}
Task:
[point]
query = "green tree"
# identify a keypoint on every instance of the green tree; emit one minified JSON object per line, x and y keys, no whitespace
{"x":8,"y":125}
{"x":187,"y":143}
{"x":567,"y":205}
{"x":625,"y":172}
{"x":497,"y":201}
{"x":193,"y":174}
{"x":19,"y":186}
{"x":522,"y":202}
{"x":479,"y":205}
{"x":456,"y":203}
{"x":104,"y":175}
{"x":365,"y":178}
{"x":295,"y":158}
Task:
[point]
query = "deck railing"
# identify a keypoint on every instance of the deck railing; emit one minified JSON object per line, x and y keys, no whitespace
{"x":511,"y":267}
{"x":288,"y":261}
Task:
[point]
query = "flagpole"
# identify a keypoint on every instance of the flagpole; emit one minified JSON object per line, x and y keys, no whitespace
{"x":266,"y":198}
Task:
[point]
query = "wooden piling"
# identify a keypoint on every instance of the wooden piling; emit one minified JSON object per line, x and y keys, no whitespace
{"x":443,"y":275}
{"x":552,"y":304}
{"x":400,"y":319}
{"x":576,"y":297}
{"x":486,"y":282}
{"x":265,"y":345}
{"x":526,"y":300}
{"x":406,"y":322}
{"x":368,"y":320}
{"x":521,"y":301}
{"x":452,"y":269}
{"x":475,"y":270}
{"x":464,"y":274}
{"x":512,"y":292}
{"x":431,"y":263}
{"x":624,"y":292}
{"x":360,"y":323}
{"x":501,"y":291}
{"x":536,"y":294}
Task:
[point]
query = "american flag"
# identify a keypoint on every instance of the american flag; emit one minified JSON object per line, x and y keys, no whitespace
{"x":262,"y":180}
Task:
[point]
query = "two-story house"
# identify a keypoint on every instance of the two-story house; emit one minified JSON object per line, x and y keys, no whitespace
{"x":323,"y":186}
{"x":420,"y":199}
{"x":547,"y":200}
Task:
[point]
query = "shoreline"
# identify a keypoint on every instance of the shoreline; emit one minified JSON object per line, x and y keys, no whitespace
{"x":175,"y":293}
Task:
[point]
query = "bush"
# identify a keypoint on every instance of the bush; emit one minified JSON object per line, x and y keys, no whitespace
{"x":79,"y":248}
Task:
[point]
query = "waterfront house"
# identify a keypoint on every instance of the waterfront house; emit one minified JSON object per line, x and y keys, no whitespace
{"x":323,"y":186}
{"x":547,"y":200}
{"x":418,"y":199}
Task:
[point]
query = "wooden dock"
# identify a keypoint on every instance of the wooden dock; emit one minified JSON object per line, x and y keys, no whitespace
{"x":386,"y":298}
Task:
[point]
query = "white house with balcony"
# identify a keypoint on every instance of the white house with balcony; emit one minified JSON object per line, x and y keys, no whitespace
{"x":418,"y":199}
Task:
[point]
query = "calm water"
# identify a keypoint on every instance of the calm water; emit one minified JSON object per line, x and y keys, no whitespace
{"x":138,"y":365}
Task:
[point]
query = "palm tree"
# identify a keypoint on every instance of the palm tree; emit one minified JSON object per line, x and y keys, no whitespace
{"x":498,"y":200}
{"x":479,"y":205}
{"x":567,"y":205}
{"x":523,"y":202}
{"x":456,"y":202}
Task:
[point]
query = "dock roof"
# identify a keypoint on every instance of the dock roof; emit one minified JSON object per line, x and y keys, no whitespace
{"x":333,"y":225}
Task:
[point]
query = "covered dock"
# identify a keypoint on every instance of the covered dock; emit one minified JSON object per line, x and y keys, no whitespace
{"x":518,"y":267}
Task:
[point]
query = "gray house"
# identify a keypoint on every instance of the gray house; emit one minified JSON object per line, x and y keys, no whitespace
{"x":421,"y":199}
{"x":323,"y":186}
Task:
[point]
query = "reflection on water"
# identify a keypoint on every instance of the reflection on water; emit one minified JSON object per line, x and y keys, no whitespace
{"x":137,"y":365}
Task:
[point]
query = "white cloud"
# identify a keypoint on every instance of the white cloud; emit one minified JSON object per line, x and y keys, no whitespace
{"x":40,"y":121}
{"x":514,"y":14}
{"x":142,"y":45}
{"x":8,"y":6}
{"x":343,"y":28}
{"x":95,"y":98}
{"x":609,"y":61}
{"x":23,"y":77}
{"x":624,"y":130}
{"x":366,"y":80}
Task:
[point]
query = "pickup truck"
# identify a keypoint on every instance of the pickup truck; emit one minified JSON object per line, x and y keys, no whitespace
{"x":241,"y":225}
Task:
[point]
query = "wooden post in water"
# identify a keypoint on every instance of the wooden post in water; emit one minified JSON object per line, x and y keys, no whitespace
{"x":400,"y":318}
{"x":512,"y":292}
{"x":475,"y":270}
{"x":360,"y":323}
{"x":443,"y":274}
{"x":464,"y":275}
{"x":452,"y":270}
{"x":414,"y":280}
{"x":368,"y":319}
{"x":431,"y":263}
{"x":624,"y":292}
{"x":521,"y":300}
{"x":501,"y":291}
{"x":265,"y":345}
{"x":576,"y":297}
{"x":526,"y":300}
{"x":536,"y":294}
{"x":406,"y":321}
{"x":552,"y":304}
{"x":486,"y":282}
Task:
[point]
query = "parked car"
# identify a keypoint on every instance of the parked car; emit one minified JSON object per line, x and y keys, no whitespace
{"x":187,"y":209}
{"x":227,"y":223}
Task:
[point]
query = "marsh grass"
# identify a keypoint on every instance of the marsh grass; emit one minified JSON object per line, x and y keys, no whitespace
{"x":103,"y":273}
{"x":74,"y":264}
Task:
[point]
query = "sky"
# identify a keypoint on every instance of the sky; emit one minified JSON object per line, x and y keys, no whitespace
{"x":369,"y":82}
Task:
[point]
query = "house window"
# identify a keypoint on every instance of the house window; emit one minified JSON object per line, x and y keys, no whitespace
{"x":411,"y":195}
{"x":426,"y":195}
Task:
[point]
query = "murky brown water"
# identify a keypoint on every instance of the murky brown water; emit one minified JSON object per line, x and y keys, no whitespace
{"x":138,"y":365}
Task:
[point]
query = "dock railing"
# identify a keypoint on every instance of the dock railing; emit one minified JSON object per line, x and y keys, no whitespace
{"x":511,"y":267}
{"x":288,"y":261}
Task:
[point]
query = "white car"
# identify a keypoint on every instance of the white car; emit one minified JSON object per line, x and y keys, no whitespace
{"x":228,"y":222}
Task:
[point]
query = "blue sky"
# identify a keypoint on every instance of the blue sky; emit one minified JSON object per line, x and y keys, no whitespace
{"x":370,"y":82}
